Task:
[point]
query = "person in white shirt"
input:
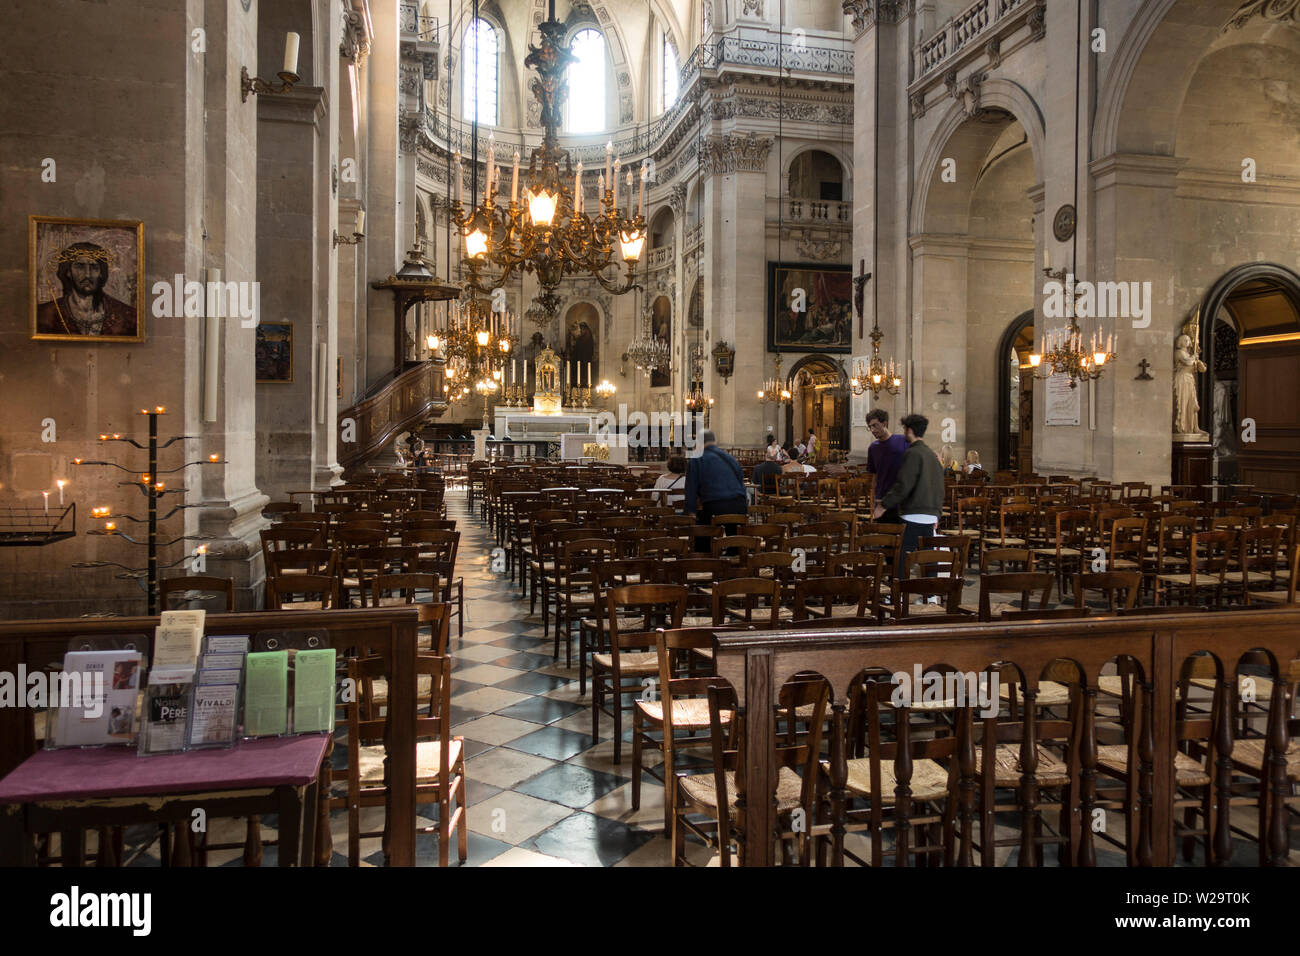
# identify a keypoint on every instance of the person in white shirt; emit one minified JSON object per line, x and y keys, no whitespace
{"x":775,"y":452}
{"x":673,"y":480}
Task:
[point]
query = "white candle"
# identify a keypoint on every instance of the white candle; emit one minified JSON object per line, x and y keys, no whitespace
{"x":1047,"y":258}
{"x":566,"y":382}
{"x":514,"y":180}
{"x":600,"y":191}
{"x":609,"y":152}
{"x":46,"y":495}
{"x":525,"y":373}
{"x":360,"y":227}
{"x":491,"y":166}
{"x":577,"y":189}
{"x":291,"y":53}
{"x":640,"y":203}
{"x":60,"y":483}
{"x":211,"y":348}
{"x":614,"y":184}
{"x":589,"y":375}
{"x":629,"y":193}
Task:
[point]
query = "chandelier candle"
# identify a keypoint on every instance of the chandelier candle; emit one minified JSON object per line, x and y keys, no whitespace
{"x":514,"y":180}
{"x":577,"y":189}
{"x":614,"y":186}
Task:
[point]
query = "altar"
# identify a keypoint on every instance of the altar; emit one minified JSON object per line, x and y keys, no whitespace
{"x":573,"y":429}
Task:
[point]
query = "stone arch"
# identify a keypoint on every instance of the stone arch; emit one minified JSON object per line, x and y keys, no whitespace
{"x":663,"y":225}
{"x":835,"y":150}
{"x":1139,"y":103}
{"x":1218,"y":294}
{"x":998,"y":94}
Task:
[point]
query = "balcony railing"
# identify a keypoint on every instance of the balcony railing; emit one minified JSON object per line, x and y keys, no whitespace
{"x":662,"y":257}
{"x":817,"y":211}
{"x":637,"y":141}
{"x":694,"y":237}
{"x":963,"y":30}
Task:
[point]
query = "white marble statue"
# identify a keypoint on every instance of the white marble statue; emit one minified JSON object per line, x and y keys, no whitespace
{"x":1187,"y":407}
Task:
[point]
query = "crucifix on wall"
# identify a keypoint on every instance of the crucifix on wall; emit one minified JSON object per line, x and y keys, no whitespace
{"x":859,"y":288}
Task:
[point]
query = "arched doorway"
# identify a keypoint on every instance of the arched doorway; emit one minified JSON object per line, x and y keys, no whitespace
{"x":1016,"y":396}
{"x":1250,"y":342}
{"x":820,"y":389}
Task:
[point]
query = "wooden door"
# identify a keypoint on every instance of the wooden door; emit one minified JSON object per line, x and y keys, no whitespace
{"x":1269,"y":397}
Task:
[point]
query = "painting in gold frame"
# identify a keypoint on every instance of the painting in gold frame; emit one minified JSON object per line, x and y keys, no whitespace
{"x":86,"y":279}
{"x":274,"y":353}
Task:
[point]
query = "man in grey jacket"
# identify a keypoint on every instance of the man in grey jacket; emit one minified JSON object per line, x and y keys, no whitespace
{"x":917,"y":493}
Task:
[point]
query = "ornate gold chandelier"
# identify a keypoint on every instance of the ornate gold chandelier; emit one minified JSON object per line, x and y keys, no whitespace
{"x":547,"y":230}
{"x":1062,"y":351}
{"x":696,"y":398}
{"x":877,"y":375}
{"x":474,"y":344}
{"x":774,"y":390}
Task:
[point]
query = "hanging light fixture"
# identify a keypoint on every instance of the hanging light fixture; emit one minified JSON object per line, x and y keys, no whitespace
{"x":1063,"y":351}
{"x":877,"y":375}
{"x":696,"y":398}
{"x":648,"y":352}
{"x":775,"y":391}
{"x":547,"y":230}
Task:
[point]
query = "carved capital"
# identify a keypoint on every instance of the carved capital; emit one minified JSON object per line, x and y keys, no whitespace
{"x":918,"y":104}
{"x":1275,"y":11}
{"x":729,"y":154}
{"x":355,"y":42}
{"x":865,"y":13}
{"x":1038,"y":20}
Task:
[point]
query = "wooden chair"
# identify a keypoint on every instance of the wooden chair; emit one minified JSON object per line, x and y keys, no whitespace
{"x":1065,"y":555}
{"x":893,"y":781}
{"x":1023,"y":558}
{"x":194,"y":591}
{"x":1024,"y":584}
{"x":438,"y":551}
{"x":1127,"y":545}
{"x":948,"y":542}
{"x":633,"y":613}
{"x":1287,"y":596}
{"x":717,"y":795}
{"x":576,"y":596}
{"x":1015,"y":524}
{"x":440,"y":757}
{"x":403,"y":589}
{"x":1030,"y":755}
{"x":751,"y":592}
{"x":835,"y":594}
{"x":948,"y":590}
{"x":1256,"y":570}
{"x":317,"y":592}
{"x":1119,"y":589}
{"x":678,"y":709}
{"x":1207,"y":562}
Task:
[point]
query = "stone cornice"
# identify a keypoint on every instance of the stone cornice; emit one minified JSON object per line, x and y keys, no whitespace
{"x":1274,"y":11}
{"x":1135,"y":169}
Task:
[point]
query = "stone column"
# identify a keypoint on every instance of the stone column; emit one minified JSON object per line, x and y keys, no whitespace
{"x":386,"y":240}
{"x":230,"y":502}
{"x":737,"y":169}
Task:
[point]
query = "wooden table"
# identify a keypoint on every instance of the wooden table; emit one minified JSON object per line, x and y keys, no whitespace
{"x":70,"y":791}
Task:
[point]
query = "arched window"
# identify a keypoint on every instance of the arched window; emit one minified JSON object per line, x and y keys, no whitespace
{"x":479,"y":81}
{"x":587,"y":83}
{"x":670,"y":69}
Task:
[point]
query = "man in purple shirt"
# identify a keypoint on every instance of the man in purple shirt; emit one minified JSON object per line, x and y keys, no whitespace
{"x":883,"y":458}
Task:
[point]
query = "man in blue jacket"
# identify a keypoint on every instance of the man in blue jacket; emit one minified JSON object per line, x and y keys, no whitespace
{"x":715,"y":484}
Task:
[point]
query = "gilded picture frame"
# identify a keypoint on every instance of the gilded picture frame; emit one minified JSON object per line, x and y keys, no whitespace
{"x":85,"y":279}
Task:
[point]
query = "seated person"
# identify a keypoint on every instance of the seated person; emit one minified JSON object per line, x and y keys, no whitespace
{"x":674,"y":478}
{"x":765,"y":473}
{"x":775,"y":452}
{"x":973,"y":466}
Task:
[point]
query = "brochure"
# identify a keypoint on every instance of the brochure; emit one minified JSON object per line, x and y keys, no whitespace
{"x":98,"y":705}
{"x":266,"y":694}
{"x":313,"y":691}
{"x":166,"y":717}
{"x":213,"y":720}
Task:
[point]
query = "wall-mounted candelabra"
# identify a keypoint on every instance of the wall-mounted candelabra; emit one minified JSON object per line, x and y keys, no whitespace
{"x":154,"y":490}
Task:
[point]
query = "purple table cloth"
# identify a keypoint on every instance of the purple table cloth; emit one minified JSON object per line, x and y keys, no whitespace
{"x":116,"y":771}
